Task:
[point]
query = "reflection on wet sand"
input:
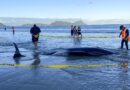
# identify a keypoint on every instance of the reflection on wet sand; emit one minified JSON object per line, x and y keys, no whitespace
{"x":124,"y":62}
{"x":17,"y":60}
{"x":77,"y":40}
{"x":124,"y":66}
{"x":36,"y":58}
{"x":123,"y":76}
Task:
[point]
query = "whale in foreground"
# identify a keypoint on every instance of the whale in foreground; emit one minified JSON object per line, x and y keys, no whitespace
{"x":17,"y":52}
{"x":80,"y":52}
{"x":70,"y":52}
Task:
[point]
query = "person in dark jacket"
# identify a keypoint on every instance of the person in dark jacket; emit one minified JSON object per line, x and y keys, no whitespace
{"x":72,"y":30}
{"x":35,"y":31}
{"x":13,"y":30}
{"x":79,"y":31}
{"x":125,"y":36}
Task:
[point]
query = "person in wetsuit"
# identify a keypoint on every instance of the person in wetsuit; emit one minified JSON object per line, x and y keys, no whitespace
{"x":125,"y":36}
{"x":35,"y":31}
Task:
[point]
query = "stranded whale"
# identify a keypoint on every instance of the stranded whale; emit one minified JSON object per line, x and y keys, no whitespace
{"x":70,"y":52}
{"x":80,"y":52}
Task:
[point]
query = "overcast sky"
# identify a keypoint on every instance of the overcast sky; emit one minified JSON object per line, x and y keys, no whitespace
{"x":84,"y":9}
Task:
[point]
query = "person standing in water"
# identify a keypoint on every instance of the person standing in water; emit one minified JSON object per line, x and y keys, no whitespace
{"x":35,"y":31}
{"x":72,"y":30}
{"x":125,"y":36}
{"x":79,"y":31}
{"x":13,"y":30}
{"x":5,"y":29}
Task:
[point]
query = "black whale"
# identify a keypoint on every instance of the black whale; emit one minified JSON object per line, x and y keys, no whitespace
{"x":81,"y":52}
{"x":70,"y":52}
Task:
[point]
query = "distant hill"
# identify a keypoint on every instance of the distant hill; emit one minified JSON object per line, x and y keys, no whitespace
{"x":10,"y":21}
{"x":2,"y":25}
{"x":38,"y":24}
{"x":57,"y":23}
{"x":80,"y":22}
{"x":65,"y":23}
{"x":60,"y":23}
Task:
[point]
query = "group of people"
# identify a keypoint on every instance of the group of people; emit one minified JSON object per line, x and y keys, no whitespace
{"x":76,"y":31}
{"x":13,"y":29}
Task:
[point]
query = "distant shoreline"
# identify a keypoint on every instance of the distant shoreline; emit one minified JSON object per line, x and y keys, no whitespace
{"x":12,"y":21}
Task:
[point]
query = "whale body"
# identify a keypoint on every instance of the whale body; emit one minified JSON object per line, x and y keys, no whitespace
{"x":81,"y":52}
{"x":70,"y":52}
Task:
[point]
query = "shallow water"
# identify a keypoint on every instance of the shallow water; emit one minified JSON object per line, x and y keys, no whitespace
{"x":107,"y":77}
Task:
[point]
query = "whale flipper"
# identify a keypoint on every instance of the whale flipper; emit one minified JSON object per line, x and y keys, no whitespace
{"x":17,"y":52}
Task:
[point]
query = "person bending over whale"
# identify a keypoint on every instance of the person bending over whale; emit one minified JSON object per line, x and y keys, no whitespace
{"x":35,"y":31}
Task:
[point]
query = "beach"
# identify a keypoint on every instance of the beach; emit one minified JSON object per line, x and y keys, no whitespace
{"x":50,"y":72}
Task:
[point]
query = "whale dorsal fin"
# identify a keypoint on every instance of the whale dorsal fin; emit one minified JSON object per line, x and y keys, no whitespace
{"x":17,"y":52}
{"x":16,"y":49}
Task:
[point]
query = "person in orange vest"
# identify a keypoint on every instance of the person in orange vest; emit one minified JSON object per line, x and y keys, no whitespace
{"x":125,"y":36}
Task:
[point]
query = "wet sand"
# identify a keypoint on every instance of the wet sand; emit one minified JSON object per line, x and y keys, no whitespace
{"x":106,"y":77}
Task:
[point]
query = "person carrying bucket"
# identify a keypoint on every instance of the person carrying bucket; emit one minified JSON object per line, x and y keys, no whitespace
{"x":125,"y":36}
{"x":35,"y":31}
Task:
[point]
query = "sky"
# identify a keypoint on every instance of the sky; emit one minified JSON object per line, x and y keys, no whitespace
{"x":83,"y":9}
